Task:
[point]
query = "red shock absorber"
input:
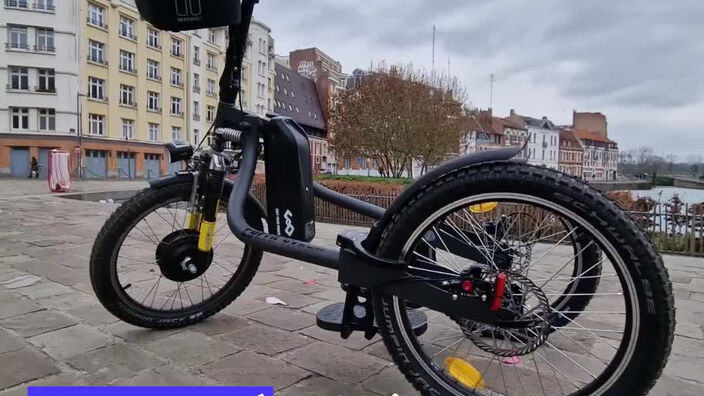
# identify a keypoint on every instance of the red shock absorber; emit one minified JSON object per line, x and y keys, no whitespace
{"x":499,"y":290}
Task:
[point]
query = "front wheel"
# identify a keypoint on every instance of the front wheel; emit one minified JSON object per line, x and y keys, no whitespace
{"x":615,"y":342}
{"x":147,"y":270}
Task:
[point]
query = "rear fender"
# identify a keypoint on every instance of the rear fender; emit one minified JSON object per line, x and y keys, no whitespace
{"x":454,"y":165}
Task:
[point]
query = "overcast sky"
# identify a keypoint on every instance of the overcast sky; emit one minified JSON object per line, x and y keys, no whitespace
{"x":640,"y":62}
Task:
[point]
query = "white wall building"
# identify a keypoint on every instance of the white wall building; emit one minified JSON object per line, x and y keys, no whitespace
{"x":39,"y":65}
{"x":207,"y":49}
{"x":543,"y":141}
{"x":258,"y":70}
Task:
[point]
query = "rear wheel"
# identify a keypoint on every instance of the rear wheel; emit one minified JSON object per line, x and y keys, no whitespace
{"x":606,"y":324}
{"x":147,"y":270}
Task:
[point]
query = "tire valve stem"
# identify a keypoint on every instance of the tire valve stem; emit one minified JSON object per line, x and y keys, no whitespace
{"x":499,"y":290}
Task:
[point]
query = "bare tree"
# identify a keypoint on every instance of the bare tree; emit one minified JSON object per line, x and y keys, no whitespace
{"x":399,"y":115}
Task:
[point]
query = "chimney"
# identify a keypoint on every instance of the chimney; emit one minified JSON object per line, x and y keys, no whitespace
{"x":512,"y":113}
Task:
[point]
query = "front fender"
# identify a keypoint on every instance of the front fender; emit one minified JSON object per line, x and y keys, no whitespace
{"x":253,"y":207}
{"x":408,"y":194}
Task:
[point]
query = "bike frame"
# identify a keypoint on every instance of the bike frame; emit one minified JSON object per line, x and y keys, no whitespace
{"x":356,"y":258}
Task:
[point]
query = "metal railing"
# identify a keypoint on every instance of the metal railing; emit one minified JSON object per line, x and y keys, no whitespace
{"x":673,"y":229}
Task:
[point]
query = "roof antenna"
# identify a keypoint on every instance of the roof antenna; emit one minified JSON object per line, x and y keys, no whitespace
{"x":491,"y":92}
{"x":433,"y":47}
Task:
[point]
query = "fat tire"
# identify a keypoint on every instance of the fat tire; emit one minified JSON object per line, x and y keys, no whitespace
{"x":101,"y":274}
{"x":644,"y":264}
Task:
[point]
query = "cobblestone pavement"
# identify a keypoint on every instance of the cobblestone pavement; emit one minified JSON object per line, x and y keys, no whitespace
{"x":54,"y":332}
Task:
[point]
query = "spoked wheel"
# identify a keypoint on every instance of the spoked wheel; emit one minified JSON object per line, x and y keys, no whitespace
{"x":591,"y":292}
{"x":147,"y":270}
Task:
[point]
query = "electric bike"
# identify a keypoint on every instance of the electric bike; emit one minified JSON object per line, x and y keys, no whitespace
{"x":486,"y":276}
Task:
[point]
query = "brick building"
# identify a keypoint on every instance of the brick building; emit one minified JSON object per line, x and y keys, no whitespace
{"x":295,"y":96}
{"x":571,"y":153}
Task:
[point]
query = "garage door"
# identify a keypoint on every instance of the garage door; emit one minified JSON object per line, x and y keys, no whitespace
{"x":126,"y":165}
{"x":19,"y":162}
{"x":96,"y":165}
{"x":152,"y":166}
{"x":43,"y":163}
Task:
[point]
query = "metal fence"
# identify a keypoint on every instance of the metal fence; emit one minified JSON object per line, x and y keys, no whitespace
{"x":674,"y":229}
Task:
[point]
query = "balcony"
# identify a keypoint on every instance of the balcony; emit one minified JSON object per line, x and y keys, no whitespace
{"x":128,"y":70}
{"x":45,"y":89}
{"x":196,"y":89}
{"x":17,"y":46}
{"x":154,"y":109}
{"x":128,"y":36}
{"x":153,"y":78}
{"x":177,"y":54}
{"x":21,"y":4}
{"x":96,"y":23}
{"x":196,"y":61}
{"x":196,"y":117}
{"x":97,"y":61}
{"x":44,"y":7}
{"x":129,"y":104}
{"x":177,"y":84}
{"x":44,"y":48}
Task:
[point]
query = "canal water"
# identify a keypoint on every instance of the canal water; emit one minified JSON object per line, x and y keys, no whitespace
{"x":663,"y":194}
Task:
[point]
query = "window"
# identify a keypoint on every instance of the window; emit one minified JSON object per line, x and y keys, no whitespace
{"x":45,"y":40}
{"x":196,"y":55}
{"x":20,"y":118}
{"x":176,"y":47}
{"x":127,"y":128}
{"x":153,"y":38}
{"x":210,"y":89}
{"x":153,"y":69}
{"x":96,"y":15}
{"x":127,"y":95}
{"x":196,"y":134}
{"x":46,"y":79}
{"x":153,"y":101}
{"x":176,"y":106}
{"x":210,"y":113}
{"x":196,"y":82}
{"x":176,"y":77}
{"x":96,"y":88}
{"x":153,"y":132}
{"x":212,"y":62}
{"x":19,"y":78}
{"x":17,"y":3}
{"x":211,"y":35}
{"x":96,"y":51}
{"x":127,"y":28}
{"x":96,"y":124}
{"x":127,"y":61}
{"x":175,"y":133}
{"x":196,"y":110}
{"x":18,"y":37}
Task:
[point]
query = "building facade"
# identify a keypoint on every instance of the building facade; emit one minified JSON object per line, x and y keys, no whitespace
{"x":296,"y":97}
{"x":39,"y":63}
{"x":258,"y":70}
{"x":135,"y":88}
{"x":571,"y":154}
{"x":329,"y":79}
{"x":543,"y":140}
{"x":600,"y":160}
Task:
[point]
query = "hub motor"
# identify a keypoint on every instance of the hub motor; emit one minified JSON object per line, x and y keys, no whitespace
{"x":178,"y":256}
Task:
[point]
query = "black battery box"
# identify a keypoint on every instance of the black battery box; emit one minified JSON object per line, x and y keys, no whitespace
{"x":289,"y":180}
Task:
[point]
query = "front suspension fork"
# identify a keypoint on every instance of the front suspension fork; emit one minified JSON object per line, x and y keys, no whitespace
{"x":202,"y":213}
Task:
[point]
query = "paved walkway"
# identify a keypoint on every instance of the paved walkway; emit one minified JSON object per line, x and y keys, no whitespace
{"x":54,"y":332}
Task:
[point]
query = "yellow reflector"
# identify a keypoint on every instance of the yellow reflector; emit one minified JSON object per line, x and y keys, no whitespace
{"x":464,"y":373}
{"x":483,"y":207}
{"x":207,"y":232}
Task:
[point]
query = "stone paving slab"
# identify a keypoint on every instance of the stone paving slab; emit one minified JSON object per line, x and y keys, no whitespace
{"x":54,"y":331}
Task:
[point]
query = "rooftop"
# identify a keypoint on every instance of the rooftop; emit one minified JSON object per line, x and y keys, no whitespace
{"x":296,"y":97}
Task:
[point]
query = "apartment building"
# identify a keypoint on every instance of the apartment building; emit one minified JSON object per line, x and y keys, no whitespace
{"x":571,"y":153}
{"x":39,"y":62}
{"x":543,"y":140}
{"x":258,"y":70}
{"x":134,"y":88}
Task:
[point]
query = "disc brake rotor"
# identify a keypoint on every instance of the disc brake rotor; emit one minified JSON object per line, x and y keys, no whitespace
{"x":527,"y":331}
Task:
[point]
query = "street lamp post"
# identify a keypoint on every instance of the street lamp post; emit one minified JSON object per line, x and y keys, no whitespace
{"x":79,"y":133}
